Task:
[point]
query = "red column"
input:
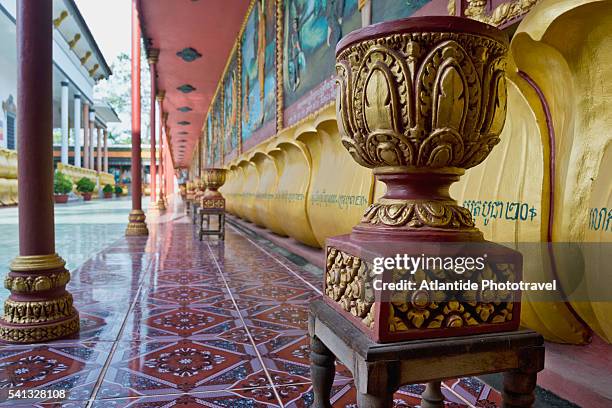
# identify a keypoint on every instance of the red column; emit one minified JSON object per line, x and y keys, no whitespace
{"x":136,"y":225}
{"x":152,"y":58}
{"x":161,"y":202}
{"x":39,"y":308}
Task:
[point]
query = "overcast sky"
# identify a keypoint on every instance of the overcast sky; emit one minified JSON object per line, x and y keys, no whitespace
{"x":109,"y":22}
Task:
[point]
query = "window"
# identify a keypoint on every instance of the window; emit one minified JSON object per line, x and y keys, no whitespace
{"x":10,"y":131}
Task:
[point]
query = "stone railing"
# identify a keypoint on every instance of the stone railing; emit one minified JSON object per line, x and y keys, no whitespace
{"x":106,"y":178}
{"x":8,"y":177}
{"x":76,"y":173}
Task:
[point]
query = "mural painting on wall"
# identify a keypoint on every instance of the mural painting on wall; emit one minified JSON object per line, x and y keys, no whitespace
{"x":312,"y":29}
{"x":209,"y":141}
{"x":217,"y":129}
{"x":258,"y":47}
{"x":385,"y":10}
{"x":231,"y":105}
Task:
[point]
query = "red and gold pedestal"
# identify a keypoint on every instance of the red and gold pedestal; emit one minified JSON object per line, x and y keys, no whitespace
{"x":214,"y":179}
{"x":161,"y":202}
{"x":39,"y":308}
{"x":419,"y":101}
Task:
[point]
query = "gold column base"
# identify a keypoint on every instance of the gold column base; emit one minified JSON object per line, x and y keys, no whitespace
{"x":153,"y":205}
{"x":40,"y":333}
{"x":137,"y":225}
{"x":161,"y":203}
{"x":39,"y":308}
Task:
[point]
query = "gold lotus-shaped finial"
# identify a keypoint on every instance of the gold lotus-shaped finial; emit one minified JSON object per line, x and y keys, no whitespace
{"x":428,"y":96}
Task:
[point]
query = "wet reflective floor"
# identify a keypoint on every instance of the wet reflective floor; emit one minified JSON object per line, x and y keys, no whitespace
{"x":171,"y":321}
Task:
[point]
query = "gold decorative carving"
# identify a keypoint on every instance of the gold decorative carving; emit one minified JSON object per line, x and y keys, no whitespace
{"x":161,"y":202}
{"x":239,"y":99}
{"x":72,"y":43}
{"x":422,"y":99}
{"x":93,"y":70}
{"x":29,"y":312}
{"x":451,"y":7}
{"x":347,"y":283}
{"x":58,"y":21}
{"x":41,"y":333}
{"x":214,"y":178}
{"x":160,"y":98}
{"x":426,"y":103}
{"x":136,"y":225}
{"x":437,"y":214}
{"x":85,"y":57}
{"x":37,"y":263}
{"x":505,"y":12}
{"x":280,"y":123}
{"x":152,"y":56}
{"x":212,"y":203}
{"x":422,"y":309}
{"x":40,"y":283}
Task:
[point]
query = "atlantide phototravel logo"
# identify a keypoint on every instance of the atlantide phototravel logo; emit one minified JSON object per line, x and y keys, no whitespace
{"x":464,"y":277}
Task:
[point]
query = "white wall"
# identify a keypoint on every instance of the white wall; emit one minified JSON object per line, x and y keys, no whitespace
{"x":67,"y":68}
{"x":8,"y":62}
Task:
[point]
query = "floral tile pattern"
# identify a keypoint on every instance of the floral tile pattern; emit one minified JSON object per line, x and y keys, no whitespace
{"x":74,"y":367}
{"x":224,"y":326}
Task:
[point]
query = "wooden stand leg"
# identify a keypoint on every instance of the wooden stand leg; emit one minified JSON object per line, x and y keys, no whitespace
{"x":201,"y":230}
{"x":374,"y":401}
{"x":432,"y":396}
{"x":322,"y":371}
{"x":519,"y":389}
{"x":222,"y":226}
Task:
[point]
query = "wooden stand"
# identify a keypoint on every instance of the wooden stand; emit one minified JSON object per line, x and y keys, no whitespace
{"x":380,"y":369}
{"x":205,"y":214}
{"x":194,"y":211}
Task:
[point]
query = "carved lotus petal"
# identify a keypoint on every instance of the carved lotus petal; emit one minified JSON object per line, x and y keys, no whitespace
{"x":411,"y":84}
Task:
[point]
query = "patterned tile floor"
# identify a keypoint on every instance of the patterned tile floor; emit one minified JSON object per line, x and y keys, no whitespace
{"x":172,"y":321}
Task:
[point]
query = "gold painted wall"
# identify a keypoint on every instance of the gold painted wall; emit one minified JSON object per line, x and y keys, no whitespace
{"x":574,"y":37}
{"x":340,"y":189}
{"x":8,"y":177}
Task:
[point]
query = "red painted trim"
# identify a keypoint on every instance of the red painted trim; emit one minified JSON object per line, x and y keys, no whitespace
{"x":434,"y":24}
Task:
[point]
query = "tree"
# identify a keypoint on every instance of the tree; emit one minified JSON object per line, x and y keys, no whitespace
{"x":116,"y":90}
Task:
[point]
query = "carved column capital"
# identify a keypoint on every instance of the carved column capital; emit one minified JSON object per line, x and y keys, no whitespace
{"x":152,"y":56}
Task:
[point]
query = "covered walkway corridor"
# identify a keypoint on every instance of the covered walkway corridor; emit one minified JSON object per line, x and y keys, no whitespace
{"x":168,"y":319}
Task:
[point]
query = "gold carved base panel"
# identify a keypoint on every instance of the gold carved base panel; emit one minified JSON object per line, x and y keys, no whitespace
{"x":213,"y":203}
{"x":28,"y":333}
{"x":395,"y":315}
{"x":161,"y":203}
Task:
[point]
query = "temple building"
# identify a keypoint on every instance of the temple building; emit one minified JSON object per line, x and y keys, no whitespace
{"x":79,"y":120}
{"x":324,"y":188}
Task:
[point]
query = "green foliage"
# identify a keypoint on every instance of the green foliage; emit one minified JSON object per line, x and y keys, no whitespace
{"x":62,"y":184}
{"x":107,"y":188}
{"x":85,"y":185}
{"x":116,"y":90}
{"x":118,"y":190}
